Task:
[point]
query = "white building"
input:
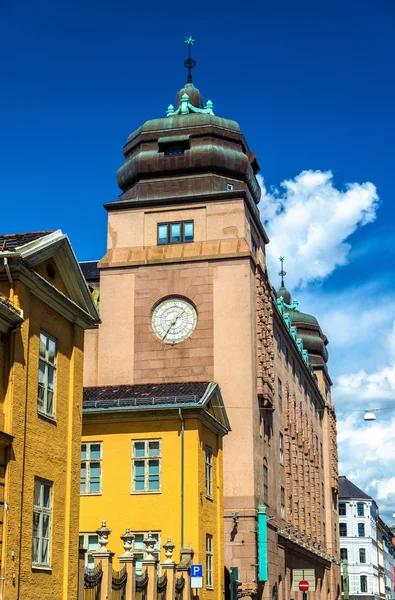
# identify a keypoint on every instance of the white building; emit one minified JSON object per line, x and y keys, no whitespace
{"x":358,"y":515}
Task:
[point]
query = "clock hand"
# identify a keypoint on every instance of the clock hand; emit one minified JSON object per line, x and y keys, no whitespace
{"x":174,"y":322}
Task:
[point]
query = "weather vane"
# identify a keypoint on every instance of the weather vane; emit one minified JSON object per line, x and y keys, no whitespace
{"x":189,"y":63}
{"x":282,"y":272}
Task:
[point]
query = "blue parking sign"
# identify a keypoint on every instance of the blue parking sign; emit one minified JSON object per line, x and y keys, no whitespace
{"x":196,"y":572}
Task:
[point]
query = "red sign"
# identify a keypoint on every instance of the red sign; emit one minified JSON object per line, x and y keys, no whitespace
{"x":303,"y":585}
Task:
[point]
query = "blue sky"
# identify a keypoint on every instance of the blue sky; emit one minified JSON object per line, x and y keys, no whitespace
{"x":312,"y":86}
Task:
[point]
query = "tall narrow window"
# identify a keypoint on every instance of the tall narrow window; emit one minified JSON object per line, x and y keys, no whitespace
{"x":293,"y":367}
{"x":42,"y":511}
{"x":362,"y":555}
{"x":91,"y":467}
{"x":265,"y":485}
{"x":139,"y":547}
{"x":46,"y":375}
{"x":209,"y":560}
{"x":278,"y":342}
{"x":364,"y":583}
{"x":343,"y":529}
{"x":280,"y":394}
{"x":361,"y":529}
{"x":146,"y":462}
{"x":360,"y":509}
{"x":286,"y":356}
{"x":282,"y":503}
{"x":323,"y":494}
{"x":281,"y":449}
{"x":342,"y":509}
{"x":90,"y":542}
{"x":321,"y":454}
{"x":209,"y":471}
{"x":343,"y":554}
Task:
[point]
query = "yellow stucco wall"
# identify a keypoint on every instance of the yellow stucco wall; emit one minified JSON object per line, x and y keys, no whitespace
{"x":158,"y":511}
{"x":49,"y":449}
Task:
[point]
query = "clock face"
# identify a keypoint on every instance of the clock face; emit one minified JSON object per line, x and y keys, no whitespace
{"x":173,"y":320}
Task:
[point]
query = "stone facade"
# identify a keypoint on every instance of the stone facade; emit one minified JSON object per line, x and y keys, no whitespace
{"x":281,"y":451}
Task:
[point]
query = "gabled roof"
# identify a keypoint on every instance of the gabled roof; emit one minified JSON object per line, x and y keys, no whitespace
{"x":157,"y":396}
{"x":347,"y":489}
{"x":25,"y":250}
{"x":89,"y":269}
{"x":11,"y":241}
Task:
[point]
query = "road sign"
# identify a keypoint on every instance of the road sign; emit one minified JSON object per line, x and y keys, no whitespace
{"x":303,"y":585}
{"x":305,"y":575}
{"x":196,"y":572}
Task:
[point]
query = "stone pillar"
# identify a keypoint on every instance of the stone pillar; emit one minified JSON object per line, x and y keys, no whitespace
{"x":128,"y":560}
{"x":169,"y":567}
{"x":186,"y":557}
{"x":81,"y":572}
{"x":150,"y":565}
{"x":104,"y":556}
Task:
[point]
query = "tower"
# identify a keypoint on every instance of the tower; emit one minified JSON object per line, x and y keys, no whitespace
{"x":185,"y":297}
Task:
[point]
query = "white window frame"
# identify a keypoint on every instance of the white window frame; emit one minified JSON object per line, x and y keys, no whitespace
{"x":88,"y":460}
{"x":281,"y":449}
{"x":43,"y":387}
{"x":85,"y":544}
{"x":138,"y":553}
{"x":209,"y":561}
{"x":209,"y":471}
{"x":42,"y":512}
{"x":360,"y":583}
{"x":146,"y":458}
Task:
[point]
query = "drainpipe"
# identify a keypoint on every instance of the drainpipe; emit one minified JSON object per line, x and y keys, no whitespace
{"x":182,"y":475}
{"x":8,"y":271}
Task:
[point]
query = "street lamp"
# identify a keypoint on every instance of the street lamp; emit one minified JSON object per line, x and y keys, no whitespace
{"x":369,"y":416}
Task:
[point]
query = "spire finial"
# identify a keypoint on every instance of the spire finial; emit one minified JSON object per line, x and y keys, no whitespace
{"x":189,"y":63}
{"x":282,"y":272}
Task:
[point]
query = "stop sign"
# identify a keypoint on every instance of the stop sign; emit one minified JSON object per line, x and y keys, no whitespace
{"x":303,"y":585}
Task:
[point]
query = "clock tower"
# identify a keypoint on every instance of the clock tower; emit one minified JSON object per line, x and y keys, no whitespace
{"x":185,"y":297}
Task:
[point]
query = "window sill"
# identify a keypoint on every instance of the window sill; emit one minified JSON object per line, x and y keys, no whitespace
{"x":210,"y":588}
{"x":47,"y":417}
{"x":90,"y":493}
{"x":210,"y":498}
{"x":42,"y":569}
{"x":145,"y":493}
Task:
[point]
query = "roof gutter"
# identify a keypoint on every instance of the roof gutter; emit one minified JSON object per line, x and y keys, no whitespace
{"x":8,"y":271}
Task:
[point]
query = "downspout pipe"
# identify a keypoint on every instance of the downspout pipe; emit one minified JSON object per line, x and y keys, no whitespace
{"x":8,"y":271}
{"x":182,"y":475}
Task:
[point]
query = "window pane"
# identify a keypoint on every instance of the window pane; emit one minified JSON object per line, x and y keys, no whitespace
{"x":41,"y":373}
{"x":95,"y":469}
{"x":37,"y":490}
{"x":49,"y":403}
{"x":153,"y":475}
{"x":162,"y":234}
{"x":93,"y":543}
{"x":139,"y":449}
{"x":51,"y":378}
{"x":47,"y":496}
{"x":83,"y":451}
{"x":95,"y":450}
{"x":51,"y":350}
{"x":139,"y":476}
{"x":175,"y":232}
{"x":43,"y":345}
{"x":45,"y":551}
{"x":188,"y":232}
{"x":139,"y":540}
{"x":153,"y":448}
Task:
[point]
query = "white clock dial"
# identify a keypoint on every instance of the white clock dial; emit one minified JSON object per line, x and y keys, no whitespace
{"x":173,"y":320}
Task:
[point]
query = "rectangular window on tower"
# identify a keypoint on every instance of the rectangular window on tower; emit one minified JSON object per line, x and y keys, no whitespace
{"x":282,"y":503}
{"x":146,"y":466}
{"x":265,"y":485}
{"x":180,"y":232}
{"x":280,"y":394}
{"x":281,"y":449}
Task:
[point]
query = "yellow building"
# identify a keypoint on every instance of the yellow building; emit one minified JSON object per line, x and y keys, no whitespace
{"x":45,"y":305}
{"x":152,"y":461}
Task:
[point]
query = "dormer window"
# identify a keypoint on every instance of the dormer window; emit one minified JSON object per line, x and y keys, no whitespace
{"x":229,"y":187}
{"x":179,"y":232}
{"x":174,"y":145}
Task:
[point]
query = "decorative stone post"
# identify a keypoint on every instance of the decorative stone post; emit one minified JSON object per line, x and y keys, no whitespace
{"x":150,"y":564}
{"x":186,"y":557}
{"x":104,"y":556}
{"x":169,"y":567}
{"x":128,"y":559}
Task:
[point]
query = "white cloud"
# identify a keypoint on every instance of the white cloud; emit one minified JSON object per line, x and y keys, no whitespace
{"x":309,"y":221}
{"x":366,"y":453}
